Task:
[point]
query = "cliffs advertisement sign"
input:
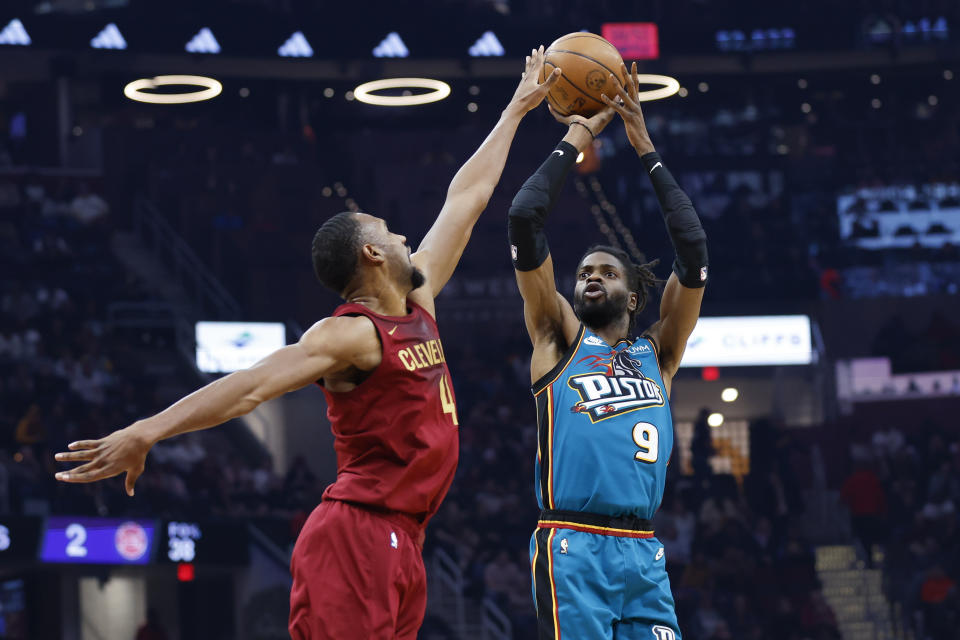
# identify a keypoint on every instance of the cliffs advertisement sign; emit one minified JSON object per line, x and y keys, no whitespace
{"x":744,"y":341}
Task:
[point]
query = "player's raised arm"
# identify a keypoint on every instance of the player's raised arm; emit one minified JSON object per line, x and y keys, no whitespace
{"x":331,"y":345}
{"x":473,"y":185}
{"x":550,"y":320}
{"x":680,"y":305}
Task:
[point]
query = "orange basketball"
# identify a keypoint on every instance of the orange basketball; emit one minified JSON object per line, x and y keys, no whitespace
{"x":586,"y":60}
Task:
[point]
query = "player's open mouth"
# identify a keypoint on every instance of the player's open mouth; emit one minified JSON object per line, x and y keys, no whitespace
{"x":593,"y":291}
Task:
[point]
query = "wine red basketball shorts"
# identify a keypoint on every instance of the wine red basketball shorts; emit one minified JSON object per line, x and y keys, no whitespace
{"x":357,"y":575}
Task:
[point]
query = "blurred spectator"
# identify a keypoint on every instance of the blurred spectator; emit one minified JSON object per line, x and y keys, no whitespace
{"x":864,"y":496}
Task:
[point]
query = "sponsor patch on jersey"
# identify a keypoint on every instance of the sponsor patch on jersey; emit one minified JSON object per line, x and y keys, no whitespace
{"x":618,"y":387}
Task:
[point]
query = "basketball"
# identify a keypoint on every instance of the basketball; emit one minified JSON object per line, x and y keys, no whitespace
{"x":586,"y":61}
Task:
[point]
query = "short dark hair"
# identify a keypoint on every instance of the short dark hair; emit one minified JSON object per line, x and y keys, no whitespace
{"x":640,"y":276}
{"x":335,"y":250}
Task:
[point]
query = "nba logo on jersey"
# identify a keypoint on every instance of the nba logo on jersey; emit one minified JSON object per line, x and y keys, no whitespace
{"x":393,"y":539}
{"x":663,"y":633}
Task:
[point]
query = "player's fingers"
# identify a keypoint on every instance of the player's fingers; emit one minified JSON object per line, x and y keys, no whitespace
{"x":551,"y":80}
{"x":613,"y":104}
{"x":76,"y":456}
{"x":83,"y":444}
{"x":635,"y":84}
{"x":90,"y":472}
{"x":132,"y":480}
{"x":624,"y":96}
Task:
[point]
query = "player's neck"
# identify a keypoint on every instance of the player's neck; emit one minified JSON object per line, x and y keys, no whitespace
{"x":613,"y":332}
{"x":381,"y":298}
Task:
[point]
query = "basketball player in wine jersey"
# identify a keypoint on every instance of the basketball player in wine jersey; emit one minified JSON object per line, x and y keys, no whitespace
{"x":602,"y":395}
{"x":357,"y":566}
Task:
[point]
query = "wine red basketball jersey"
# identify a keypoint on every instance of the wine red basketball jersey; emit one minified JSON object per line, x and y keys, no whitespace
{"x":396,"y":434}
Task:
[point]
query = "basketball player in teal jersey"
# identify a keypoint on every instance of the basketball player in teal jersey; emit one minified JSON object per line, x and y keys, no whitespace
{"x":605,"y":430}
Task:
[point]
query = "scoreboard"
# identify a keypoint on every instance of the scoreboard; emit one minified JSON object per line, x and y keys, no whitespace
{"x":220,"y":543}
{"x":19,"y":536}
{"x":122,"y":541}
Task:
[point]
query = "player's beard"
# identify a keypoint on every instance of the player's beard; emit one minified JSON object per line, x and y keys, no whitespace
{"x":601,"y":313}
{"x":417,"y":279}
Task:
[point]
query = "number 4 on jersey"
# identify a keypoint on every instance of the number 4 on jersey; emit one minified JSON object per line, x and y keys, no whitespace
{"x":446,"y":399}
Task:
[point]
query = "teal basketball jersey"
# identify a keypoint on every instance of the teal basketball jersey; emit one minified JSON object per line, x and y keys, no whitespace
{"x":605,"y":433}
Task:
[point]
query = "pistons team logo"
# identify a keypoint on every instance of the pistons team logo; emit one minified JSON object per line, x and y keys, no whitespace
{"x":617,"y":387}
{"x":130,"y":541}
{"x":661,"y":632}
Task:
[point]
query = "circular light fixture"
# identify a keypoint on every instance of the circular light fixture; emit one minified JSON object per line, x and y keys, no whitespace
{"x":438,"y":91}
{"x":580,"y":157}
{"x":136,"y":89}
{"x":668,"y":87}
{"x":729,"y":394}
{"x":715,"y":419}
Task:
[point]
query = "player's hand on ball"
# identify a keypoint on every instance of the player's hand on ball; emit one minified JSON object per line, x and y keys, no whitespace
{"x":594,"y":124}
{"x":531,"y":92}
{"x":627,"y":105}
{"x":123,"y":450}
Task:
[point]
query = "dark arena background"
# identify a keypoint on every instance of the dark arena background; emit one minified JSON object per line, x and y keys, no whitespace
{"x":814,"y":487}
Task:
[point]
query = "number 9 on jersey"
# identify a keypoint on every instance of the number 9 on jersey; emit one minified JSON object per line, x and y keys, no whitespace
{"x":646,"y":436}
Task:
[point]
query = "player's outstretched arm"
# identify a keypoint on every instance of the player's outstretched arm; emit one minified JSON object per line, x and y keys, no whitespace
{"x":473,"y":185}
{"x":683,"y":294}
{"x":331,"y":345}
{"x":550,"y":320}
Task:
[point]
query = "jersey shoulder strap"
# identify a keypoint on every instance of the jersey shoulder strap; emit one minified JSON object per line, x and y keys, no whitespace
{"x":552,"y":375}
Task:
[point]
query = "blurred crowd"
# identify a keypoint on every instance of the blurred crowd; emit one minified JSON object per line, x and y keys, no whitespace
{"x":903,"y":494}
{"x":67,"y":372}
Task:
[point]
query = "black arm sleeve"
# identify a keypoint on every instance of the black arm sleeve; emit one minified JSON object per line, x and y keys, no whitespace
{"x":532,"y":204}
{"x":683,"y":224}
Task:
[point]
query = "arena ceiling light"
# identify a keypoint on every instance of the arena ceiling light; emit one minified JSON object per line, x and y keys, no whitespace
{"x":438,"y":91}
{"x":137,"y":90}
{"x":715,"y":420}
{"x":668,"y":87}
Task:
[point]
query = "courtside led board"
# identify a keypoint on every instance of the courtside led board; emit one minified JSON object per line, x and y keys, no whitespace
{"x":744,"y":341}
{"x":223,"y":347}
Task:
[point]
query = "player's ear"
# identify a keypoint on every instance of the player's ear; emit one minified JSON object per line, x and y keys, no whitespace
{"x":633,"y":301}
{"x":372,"y":253}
